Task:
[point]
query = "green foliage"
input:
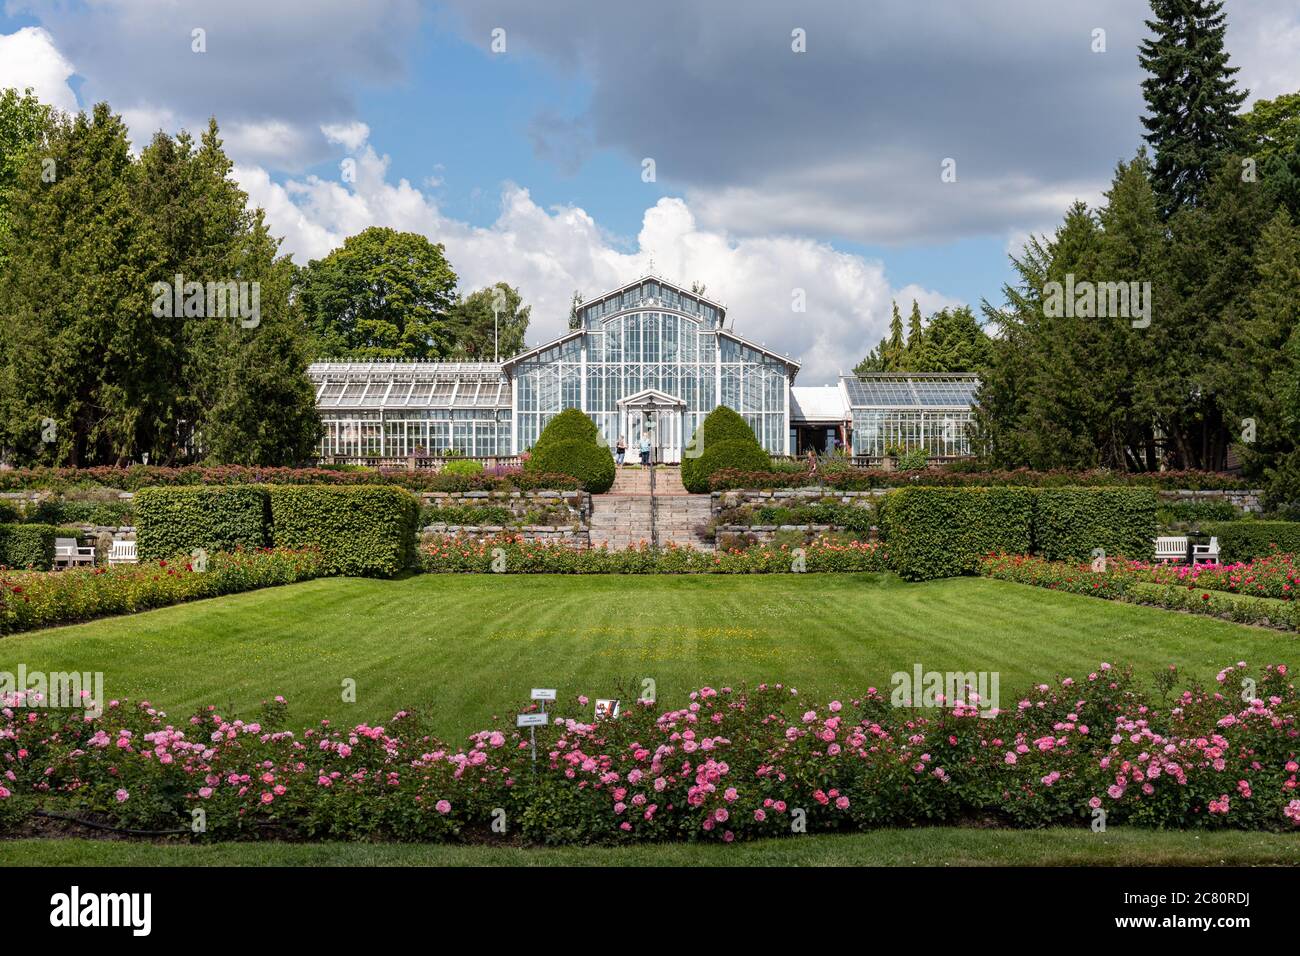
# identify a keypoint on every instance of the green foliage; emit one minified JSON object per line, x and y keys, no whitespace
{"x":721,"y":425}
{"x":172,"y":522}
{"x":1244,"y":540}
{"x":362,"y":530}
{"x":943,"y":532}
{"x":383,"y":294}
{"x":27,"y":546}
{"x":95,"y":366}
{"x":1195,"y":512}
{"x":570,"y":424}
{"x":726,"y":424}
{"x":464,"y":467}
{"x":1268,"y":397}
{"x":1272,"y":127}
{"x":570,"y":445}
{"x":24,"y":120}
{"x":1191,"y":98}
{"x":590,"y":463}
{"x":487,"y":323}
{"x":109,"y":513}
{"x":952,"y":341}
{"x":850,"y":517}
{"x":1072,"y":522}
{"x":913,"y":460}
{"x":729,"y":453}
{"x":466,"y":515}
{"x":264,"y":410}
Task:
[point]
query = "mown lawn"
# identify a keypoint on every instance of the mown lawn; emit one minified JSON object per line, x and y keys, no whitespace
{"x":930,"y":846}
{"x":467,"y":647}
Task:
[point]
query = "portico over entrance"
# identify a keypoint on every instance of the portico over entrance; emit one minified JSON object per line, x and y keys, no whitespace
{"x":658,"y":414}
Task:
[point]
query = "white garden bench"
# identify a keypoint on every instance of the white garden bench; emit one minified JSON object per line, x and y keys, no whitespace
{"x":68,"y":553}
{"x":1206,"y":553}
{"x":122,"y":552}
{"x":1171,"y":549}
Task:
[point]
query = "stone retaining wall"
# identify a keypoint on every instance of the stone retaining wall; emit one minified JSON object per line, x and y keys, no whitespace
{"x":577,"y":503}
{"x":579,"y":540}
{"x":791,"y":497}
{"x":766,"y":533}
{"x":1247,"y":501}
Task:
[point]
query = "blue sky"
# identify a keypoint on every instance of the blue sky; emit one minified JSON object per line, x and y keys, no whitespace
{"x":776,"y":170}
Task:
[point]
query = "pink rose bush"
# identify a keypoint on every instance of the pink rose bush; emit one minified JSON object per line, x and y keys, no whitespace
{"x":1257,"y":592}
{"x":728,"y":765}
{"x":469,"y":554}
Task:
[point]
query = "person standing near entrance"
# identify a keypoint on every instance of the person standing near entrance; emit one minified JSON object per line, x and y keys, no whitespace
{"x":645,"y":448}
{"x":620,"y":450}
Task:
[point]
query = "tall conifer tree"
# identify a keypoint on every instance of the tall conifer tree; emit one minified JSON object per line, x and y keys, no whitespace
{"x":1191,"y":96}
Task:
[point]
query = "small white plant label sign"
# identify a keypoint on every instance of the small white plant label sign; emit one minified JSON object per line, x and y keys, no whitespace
{"x":531,"y":720}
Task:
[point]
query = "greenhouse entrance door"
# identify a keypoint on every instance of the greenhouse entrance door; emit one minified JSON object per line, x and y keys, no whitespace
{"x":659,"y":414}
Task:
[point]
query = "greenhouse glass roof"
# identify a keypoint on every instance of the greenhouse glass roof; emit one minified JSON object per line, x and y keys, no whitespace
{"x":911,"y":390}
{"x":409,"y":385}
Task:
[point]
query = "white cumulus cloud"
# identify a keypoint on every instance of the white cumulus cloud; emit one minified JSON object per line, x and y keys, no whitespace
{"x":548,"y":253}
{"x":29,"y":58}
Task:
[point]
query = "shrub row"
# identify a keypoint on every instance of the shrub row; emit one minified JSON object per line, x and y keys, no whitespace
{"x":1244,"y":540}
{"x":365,"y":530}
{"x":865,"y":479}
{"x":135,"y":477}
{"x":27,"y":546}
{"x":176,"y":521}
{"x":508,"y":554}
{"x":1074,"y":522}
{"x":728,"y":765}
{"x":942,"y":532}
{"x":34,"y":600}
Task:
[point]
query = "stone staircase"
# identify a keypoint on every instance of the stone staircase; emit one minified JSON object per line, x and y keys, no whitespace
{"x":627,"y":515}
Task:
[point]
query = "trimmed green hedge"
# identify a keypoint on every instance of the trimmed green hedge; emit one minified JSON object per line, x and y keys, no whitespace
{"x":28,"y":546}
{"x":362,"y":530}
{"x":1243,"y":540}
{"x":1069,"y":523}
{"x":943,"y":532}
{"x":744,"y":455}
{"x":588,"y":462}
{"x":176,"y":521}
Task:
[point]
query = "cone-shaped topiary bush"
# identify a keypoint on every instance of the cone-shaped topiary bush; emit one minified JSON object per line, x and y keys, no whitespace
{"x":570,"y":445}
{"x":590,"y":463}
{"x":569,"y":424}
{"x":722,"y":426}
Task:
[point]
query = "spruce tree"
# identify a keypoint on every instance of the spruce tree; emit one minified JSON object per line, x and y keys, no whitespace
{"x":1191,"y":96}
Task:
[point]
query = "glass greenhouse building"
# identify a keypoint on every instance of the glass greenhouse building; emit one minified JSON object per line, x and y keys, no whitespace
{"x":650,"y":357}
